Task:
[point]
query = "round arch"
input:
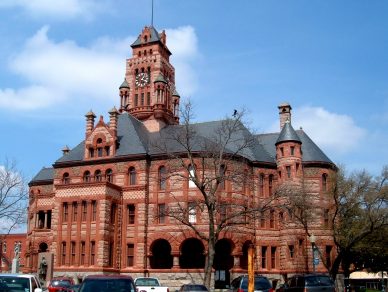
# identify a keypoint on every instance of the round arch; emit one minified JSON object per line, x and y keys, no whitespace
{"x":161,"y":257}
{"x":192,"y":254}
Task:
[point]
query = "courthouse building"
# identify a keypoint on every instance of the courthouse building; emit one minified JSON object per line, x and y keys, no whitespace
{"x":99,"y":208}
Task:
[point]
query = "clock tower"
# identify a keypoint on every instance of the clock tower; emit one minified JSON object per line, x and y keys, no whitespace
{"x":148,"y":91}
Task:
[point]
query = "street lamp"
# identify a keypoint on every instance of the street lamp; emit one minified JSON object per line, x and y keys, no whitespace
{"x":312,"y":240}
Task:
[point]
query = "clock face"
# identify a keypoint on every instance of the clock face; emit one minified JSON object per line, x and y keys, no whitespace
{"x":142,"y":79}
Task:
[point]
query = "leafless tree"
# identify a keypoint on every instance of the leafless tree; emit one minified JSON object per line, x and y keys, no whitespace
{"x":13,"y":198}
{"x":207,"y":161}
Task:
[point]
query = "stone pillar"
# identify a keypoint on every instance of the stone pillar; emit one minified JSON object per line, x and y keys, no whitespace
{"x":45,"y":219}
{"x":236,"y":262}
{"x":176,"y":261}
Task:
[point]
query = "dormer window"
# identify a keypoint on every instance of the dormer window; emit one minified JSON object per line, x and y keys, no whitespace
{"x":65,"y":178}
{"x":145,"y":38}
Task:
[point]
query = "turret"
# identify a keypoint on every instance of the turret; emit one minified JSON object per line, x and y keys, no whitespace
{"x":289,"y":154}
{"x":113,"y":114}
{"x":90,"y":116}
{"x":124,"y":95}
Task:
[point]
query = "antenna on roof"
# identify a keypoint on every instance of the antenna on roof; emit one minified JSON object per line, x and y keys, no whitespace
{"x":152,"y":13}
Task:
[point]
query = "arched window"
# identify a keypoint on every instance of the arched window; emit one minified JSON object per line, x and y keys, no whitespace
{"x":162,"y":178}
{"x":132,"y":176}
{"x":109,"y":175}
{"x":65,"y":178}
{"x":191,"y":176}
{"x":97,"y":175}
{"x":261,"y":184}
{"x":324,"y":182}
{"x":86,"y":176}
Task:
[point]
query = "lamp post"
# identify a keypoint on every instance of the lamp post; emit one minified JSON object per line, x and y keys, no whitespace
{"x":312,"y":240}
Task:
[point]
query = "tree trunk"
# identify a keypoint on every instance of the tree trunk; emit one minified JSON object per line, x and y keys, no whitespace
{"x":209,"y":264}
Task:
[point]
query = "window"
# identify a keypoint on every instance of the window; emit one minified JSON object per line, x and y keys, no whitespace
{"x":161,"y":213}
{"x":142,"y":99}
{"x":92,"y":252}
{"x":136,"y":99}
{"x":223,"y":212}
{"x":282,"y":151}
{"x":272,"y":219}
{"x":65,"y":212}
{"x":86,"y":176}
{"x":97,"y":175}
{"x":273,"y":257}
{"x":65,"y":178}
{"x":263,"y":257}
{"x":75,"y":211}
{"x":326,"y":218}
{"x":82,"y":253}
{"x":192,"y":212}
{"x":148,"y":98}
{"x":99,"y":151}
{"x":261,"y":184}
{"x":91,"y":152}
{"x":72,"y":262}
{"x":109,"y":175}
{"x":324,"y":182}
{"x":130,"y":254}
{"x":113,"y":213}
{"x":288,"y":169}
{"x":191,"y":176}
{"x":94,"y":210}
{"x":162,"y":178}
{"x":107,"y":150}
{"x":291,"y":251}
{"x":84,"y":205}
{"x":262,"y":219}
{"x":328,"y":250}
{"x":222,"y":177}
{"x":292,"y":150}
{"x":110,"y":252}
{"x":63,"y":253}
{"x":270,"y":182}
{"x":132,"y":176}
{"x":131,"y":214}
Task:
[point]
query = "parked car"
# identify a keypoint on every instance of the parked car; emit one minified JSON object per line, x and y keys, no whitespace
{"x":240,"y":284}
{"x":149,"y":284}
{"x":309,"y":283}
{"x":19,"y":282}
{"x":107,"y":283}
{"x":193,"y":288}
{"x":57,"y":284}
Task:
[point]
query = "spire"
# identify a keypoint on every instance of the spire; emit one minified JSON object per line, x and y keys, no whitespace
{"x":288,"y":134}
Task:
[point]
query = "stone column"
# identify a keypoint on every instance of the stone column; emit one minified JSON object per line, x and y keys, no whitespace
{"x":45,"y":219}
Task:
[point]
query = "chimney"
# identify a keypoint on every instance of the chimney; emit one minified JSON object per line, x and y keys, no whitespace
{"x":113,"y":113}
{"x":284,"y":113}
{"x":90,"y":116}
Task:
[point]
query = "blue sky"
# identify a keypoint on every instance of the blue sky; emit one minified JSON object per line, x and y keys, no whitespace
{"x":328,"y":59}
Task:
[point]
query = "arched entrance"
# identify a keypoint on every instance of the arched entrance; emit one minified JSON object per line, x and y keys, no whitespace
{"x":43,"y":247}
{"x":244,"y":257}
{"x":161,"y":255}
{"x":192,"y":254}
{"x":223,"y":262}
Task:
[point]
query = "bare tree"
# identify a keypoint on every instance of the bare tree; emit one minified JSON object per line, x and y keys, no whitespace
{"x":358,"y":210}
{"x":207,"y":160}
{"x":13,"y":198}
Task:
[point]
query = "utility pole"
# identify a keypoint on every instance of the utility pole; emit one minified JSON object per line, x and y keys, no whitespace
{"x":251,"y":270}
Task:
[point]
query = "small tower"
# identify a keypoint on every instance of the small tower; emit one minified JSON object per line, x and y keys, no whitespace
{"x":124,"y":95}
{"x":289,"y":154}
{"x":90,"y":116}
{"x":113,"y":115}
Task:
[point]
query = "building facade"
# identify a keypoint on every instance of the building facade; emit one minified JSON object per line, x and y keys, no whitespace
{"x":100,"y":208}
{"x":8,"y":244}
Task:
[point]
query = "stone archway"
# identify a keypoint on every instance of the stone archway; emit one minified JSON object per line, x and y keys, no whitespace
{"x":244,"y":256}
{"x":43,"y":247}
{"x":223,"y":262}
{"x":161,"y":255}
{"x":192,"y":254}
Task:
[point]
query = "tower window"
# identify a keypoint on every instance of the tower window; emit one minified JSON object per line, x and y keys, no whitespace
{"x":288,"y":168}
{"x":292,"y":150}
{"x":291,"y":251}
{"x":65,"y":178}
{"x":148,"y":98}
{"x":136,"y":99}
{"x":132,"y":176}
{"x":142,"y":99}
{"x":162,"y":178}
{"x":324,"y":182}
{"x":282,"y":151}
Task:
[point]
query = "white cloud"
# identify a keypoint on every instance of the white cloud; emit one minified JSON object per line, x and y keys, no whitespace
{"x":65,"y":72}
{"x":58,"y":8}
{"x":183,"y":44}
{"x":335,"y":133}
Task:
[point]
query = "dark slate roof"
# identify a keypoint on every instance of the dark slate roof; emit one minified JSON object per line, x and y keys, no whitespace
{"x":46,"y":173}
{"x":124,"y":84}
{"x":287,"y":134}
{"x":154,"y":37}
{"x":160,"y":78}
{"x":134,"y":139}
{"x":311,"y":152}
